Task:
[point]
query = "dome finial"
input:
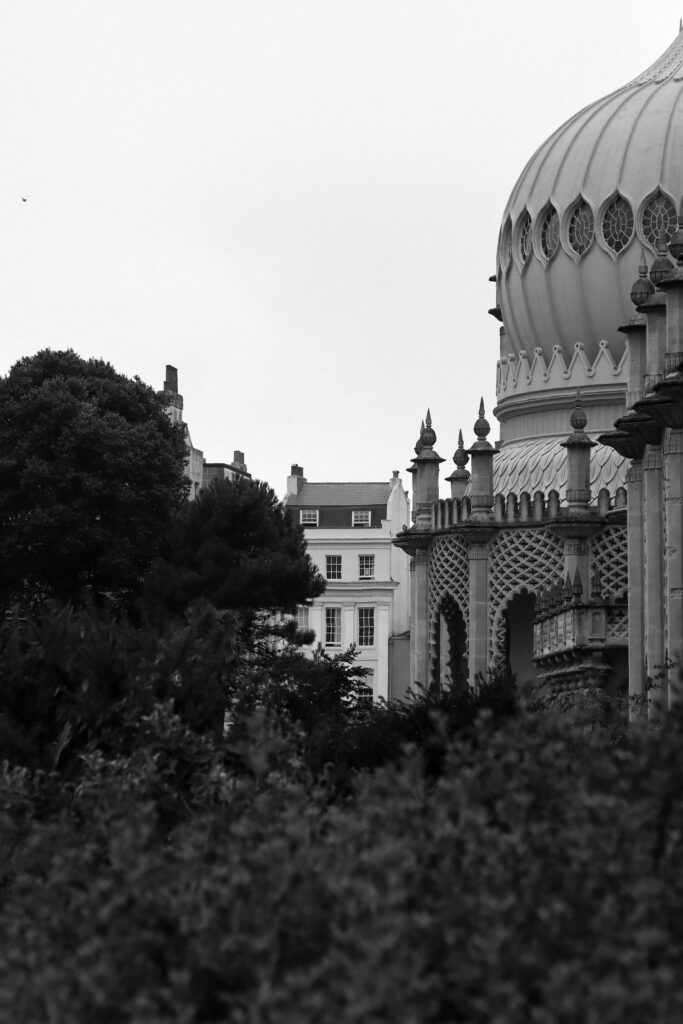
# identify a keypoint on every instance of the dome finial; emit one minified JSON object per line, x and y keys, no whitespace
{"x":578,"y":417}
{"x":642,"y":288}
{"x":428,"y":434}
{"x":662,"y":266}
{"x":482,"y":426}
{"x":461,"y":458}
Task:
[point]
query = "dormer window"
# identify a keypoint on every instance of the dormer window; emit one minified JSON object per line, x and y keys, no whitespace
{"x":308,"y":516}
{"x":360,"y":517}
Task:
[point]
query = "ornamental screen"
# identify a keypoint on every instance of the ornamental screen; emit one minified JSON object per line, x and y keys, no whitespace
{"x":581,"y":227}
{"x":658,"y":216}
{"x":550,"y":233}
{"x":617,"y":224}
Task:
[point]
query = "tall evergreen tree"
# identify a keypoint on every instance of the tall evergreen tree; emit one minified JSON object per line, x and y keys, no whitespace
{"x":91,"y":475}
{"x":236,"y":547}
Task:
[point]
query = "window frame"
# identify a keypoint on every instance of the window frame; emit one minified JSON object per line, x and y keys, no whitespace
{"x":365,"y":610}
{"x":303,"y":617}
{"x":366,"y":575}
{"x":361,"y":517}
{"x":337,"y":559}
{"x":309,"y":512}
{"x":337,"y":625}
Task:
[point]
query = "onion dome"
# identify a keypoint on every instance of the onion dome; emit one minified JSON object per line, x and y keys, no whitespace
{"x":604,"y":185}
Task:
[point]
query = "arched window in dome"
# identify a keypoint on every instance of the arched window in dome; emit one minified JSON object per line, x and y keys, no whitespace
{"x":658,"y":215}
{"x":525,"y":238}
{"x":550,"y":233}
{"x":581,"y":227}
{"x":617,"y":224}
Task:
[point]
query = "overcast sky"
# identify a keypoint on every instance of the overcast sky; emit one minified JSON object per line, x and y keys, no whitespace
{"x":295,"y":203}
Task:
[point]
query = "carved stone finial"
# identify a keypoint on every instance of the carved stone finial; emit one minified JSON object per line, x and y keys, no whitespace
{"x":482,"y":427}
{"x":460,"y":458}
{"x":428,"y":434}
{"x":578,"y":418}
{"x":662,"y":266}
{"x":577,"y":586}
{"x":642,"y":288}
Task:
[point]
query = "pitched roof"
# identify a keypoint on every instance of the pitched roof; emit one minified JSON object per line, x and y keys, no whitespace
{"x":317,"y":495}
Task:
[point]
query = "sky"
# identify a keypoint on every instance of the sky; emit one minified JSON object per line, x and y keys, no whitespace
{"x":294,"y":202}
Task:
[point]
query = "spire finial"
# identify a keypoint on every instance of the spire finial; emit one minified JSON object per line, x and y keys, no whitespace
{"x":642,"y":267}
{"x":428,"y":434}
{"x":578,"y":418}
{"x":642,"y":288}
{"x":482,"y":426}
{"x":461,"y":458}
{"x":662,"y":266}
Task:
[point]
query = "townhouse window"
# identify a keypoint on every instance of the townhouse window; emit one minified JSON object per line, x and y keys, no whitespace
{"x":333,"y":627}
{"x":366,"y":567}
{"x":308,"y":516}
{"x":333,"y":567}
{"x":302,"y":617}
{"x":365,"y":689}
{"x":360,"y":517}
{"x":366,"y":627}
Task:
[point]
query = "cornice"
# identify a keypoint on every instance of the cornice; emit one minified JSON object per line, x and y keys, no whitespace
{"x":523,"y":375}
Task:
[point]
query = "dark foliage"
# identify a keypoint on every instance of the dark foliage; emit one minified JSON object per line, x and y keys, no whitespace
{"x":90,"y":477}
{"x":189,"y":880}
{"x":235,"y":547}
{"x":71,"y":679}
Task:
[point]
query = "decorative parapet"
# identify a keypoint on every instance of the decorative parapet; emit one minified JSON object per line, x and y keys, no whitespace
{"x":517,"y":375}
{"x":513,"y":509}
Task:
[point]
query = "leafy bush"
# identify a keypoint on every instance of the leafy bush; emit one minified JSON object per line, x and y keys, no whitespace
{"x":540,"y":879}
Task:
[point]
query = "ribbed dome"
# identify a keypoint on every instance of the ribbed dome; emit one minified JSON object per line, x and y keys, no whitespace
{"x":604,"y":185}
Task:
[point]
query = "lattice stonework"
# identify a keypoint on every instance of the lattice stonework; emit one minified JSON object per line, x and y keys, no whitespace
{"x":617,"y":224}
{"x":581,"y":228}
{"x":609,"y":555}
{"x":519,"y":560}
{"x":449,"y":574}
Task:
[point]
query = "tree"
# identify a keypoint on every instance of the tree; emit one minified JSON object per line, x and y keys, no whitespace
{"x":236,"y":547}
{"x":91,"y":475}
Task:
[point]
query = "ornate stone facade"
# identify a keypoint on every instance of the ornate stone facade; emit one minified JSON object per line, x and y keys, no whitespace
{"x":537,"y":563}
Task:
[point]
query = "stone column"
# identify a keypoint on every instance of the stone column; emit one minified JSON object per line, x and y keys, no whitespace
{"x":315,"y":622}
{"x":349,"y":632}
{"x":419,"y":626}
{"x":673,"y":531}
{"x":654,"y":565}
{"x":479,"y":611}
{"x":382,"y":642}
{"x":636,"y":579}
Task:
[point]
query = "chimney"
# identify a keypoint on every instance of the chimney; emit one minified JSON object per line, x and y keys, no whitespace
{"x":238,"y":461}
{"x":174,"y":401}
{"x":171,"y":382}
{"x":296,"y":480}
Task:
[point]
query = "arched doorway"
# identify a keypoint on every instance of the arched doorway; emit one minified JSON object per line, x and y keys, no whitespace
{"x":449,"y":659}
{"x":518,"y":652}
